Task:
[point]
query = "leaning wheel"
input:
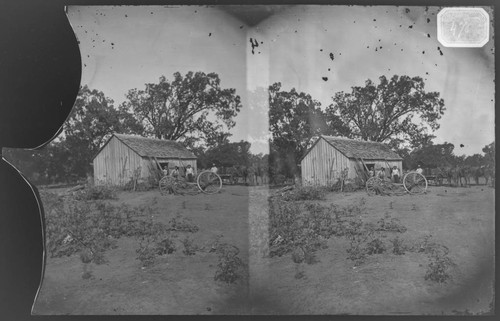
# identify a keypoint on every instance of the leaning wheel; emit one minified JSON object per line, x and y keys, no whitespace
{"x":372,"y":184}
{"x":415,"y":183}
{"x":209,"y":182}
{"x":168,"y":183}
{"x":165,"y":182}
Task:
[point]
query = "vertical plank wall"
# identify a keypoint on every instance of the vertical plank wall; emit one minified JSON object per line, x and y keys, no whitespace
{"x":115,"y":163}
{"x":323,"y":164}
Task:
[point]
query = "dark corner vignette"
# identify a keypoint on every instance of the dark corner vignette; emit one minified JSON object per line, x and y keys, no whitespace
{"x":40,"y":62}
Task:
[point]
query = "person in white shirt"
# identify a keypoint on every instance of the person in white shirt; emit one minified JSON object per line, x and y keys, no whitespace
{"x":395,"y":174}
{"x":419,"y":170}
{"x":213,"y":169}
{"x":189,"y":173}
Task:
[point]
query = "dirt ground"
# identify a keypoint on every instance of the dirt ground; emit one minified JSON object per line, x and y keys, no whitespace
{"x":460,"y":218}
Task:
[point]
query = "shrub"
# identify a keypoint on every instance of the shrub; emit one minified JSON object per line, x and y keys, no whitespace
{"x":73,"y":226}
{"x":310,"y":257}
{"x":298,"y":255}
{"x":189,"y":247}
{"x":140,"y":185}
{"x":165,"y":246}
{"x":182,"y":224}
{"x":347,"y":186}
{"x":300,"y":275}
{"x":390,"y":224}
{"x":229,"y":266}
{"x":305,"y":193}
{"x":146,"y":255}
{"x":428,"y":247}
{"x":306,"y":225}
{"x":99,"y":192}
{"x":398,"y":246}
{"x":356,"y":254}
{"x":153,"y":241}
{"x":438,"y":268}
{"x":375,"y":246}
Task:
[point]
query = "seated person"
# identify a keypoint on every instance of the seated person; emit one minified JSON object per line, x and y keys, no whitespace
{"x":175,"y":172}
{"x":381,"y":174}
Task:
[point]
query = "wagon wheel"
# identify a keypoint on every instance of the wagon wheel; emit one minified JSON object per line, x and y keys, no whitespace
{"x":415,"y":183}
{"x":209,"y":182}
{"x":371,"y":185}
{"x":165,"y":183}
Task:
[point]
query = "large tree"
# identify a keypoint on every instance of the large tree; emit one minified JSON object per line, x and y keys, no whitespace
{"x":229,"y":154}
{"x":433,"y":156}
{"x":489,"y":154}
{"x":295,"y":121}
{"x":397,"y":111}
{"x":92,"y":120}
{"x":189,"y":107}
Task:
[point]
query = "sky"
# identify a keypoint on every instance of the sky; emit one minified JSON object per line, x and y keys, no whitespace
{"x":124,"y":47}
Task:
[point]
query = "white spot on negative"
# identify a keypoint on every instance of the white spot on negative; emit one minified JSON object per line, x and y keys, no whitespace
{"x":463,"y":27}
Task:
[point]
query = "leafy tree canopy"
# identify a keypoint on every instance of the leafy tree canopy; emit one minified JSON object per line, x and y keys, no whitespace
{"x":489,"y":154}
{"x":433,"y":156}
{"x":295,"y":121}
{"x":91,"y":122}
{"x":475,"y":160}
{"x":398,"y":110}
{"x":192,"y":106}
{"x":229,"y":154}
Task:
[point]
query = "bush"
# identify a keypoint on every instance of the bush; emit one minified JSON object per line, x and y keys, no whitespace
{"x":147,"y":255}
{"x":398,"y":246}
{"x":182,"y":224}
{"x":428,"y":247}
{"x":73,"y":226}
{"x":438,"y":268}
{"x":165,"y":246}
{"x":305,"y":193}
{"x":389,"y":224}
{"x":230,"y":266}
{"x":150,"y":245}
{"x":140,"y":185}
{"x":356,"y":254}
{"x":375,"y":246}
{"x":305,"y":225}
{"x":347,"y":186}
{"x":99,"y":192}
{"x":189,"y":247}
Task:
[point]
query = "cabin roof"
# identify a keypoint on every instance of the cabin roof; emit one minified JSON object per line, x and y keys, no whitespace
{"x":353,"y":148}
{"x":152,"y":147}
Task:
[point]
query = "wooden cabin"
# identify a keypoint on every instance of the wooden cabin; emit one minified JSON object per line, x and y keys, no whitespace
{"x":124,"y":156}
{"x":324,"y":162}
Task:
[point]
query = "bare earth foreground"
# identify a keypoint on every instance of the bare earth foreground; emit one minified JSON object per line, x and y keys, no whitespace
{"x":460,"y":218}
